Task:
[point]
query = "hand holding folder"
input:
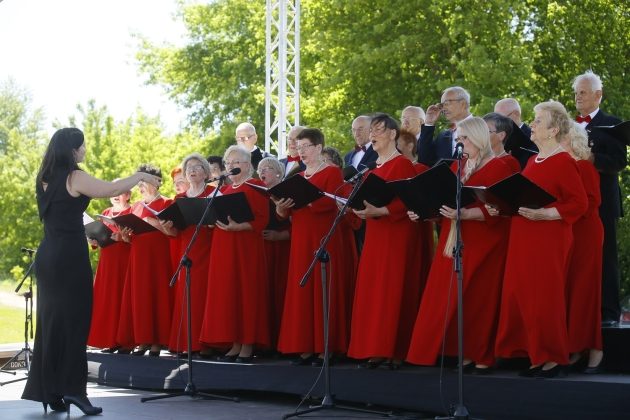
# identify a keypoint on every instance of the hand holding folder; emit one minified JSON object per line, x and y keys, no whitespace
{"x":131,"y":221}
{"x":296,"y":187}
{"x":511,"y":193}
{"x":427,"y":192}
{"x":99,"y":232}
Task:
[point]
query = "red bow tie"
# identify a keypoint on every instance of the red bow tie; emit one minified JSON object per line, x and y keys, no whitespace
{"x":582,"y":119}
{"x":293,"y":159}
{"x":357,"y":148}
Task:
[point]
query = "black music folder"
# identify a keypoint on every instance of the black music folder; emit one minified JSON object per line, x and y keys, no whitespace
{"x":425,"y":193}
{"x":620,"y":131}
{"x":296,"y":187}
{"x":99,"y":232}
{"x":186,"y":211}
{"x":130,"y":220}
{"x":375,"y":190}
{"x":233,"y":205}
{"x":511,"y":193}
{"x":519,"y":145}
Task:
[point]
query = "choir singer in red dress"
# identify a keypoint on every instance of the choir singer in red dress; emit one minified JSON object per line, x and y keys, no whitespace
{"x":584,"y":279}
{"x":302,"y":328}
{"x":388,"y":286}
{"x":483,"y":259}
{"x":533,"y":318}
{"x":196,"y":169}
{"x":237,"y":300}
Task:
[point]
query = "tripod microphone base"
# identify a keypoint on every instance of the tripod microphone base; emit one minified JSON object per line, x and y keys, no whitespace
{"x":328,"y":403}
{"x":461,"y":413}
{"x":192,"y":392}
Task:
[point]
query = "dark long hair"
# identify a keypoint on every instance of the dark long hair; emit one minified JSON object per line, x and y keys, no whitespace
{"x":59,"y":156}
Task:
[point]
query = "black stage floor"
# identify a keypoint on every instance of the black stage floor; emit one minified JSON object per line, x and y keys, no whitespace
{"x":501,"y":395}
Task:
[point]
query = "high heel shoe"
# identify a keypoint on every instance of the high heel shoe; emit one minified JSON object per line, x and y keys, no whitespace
{"x":54,"y":406}
{"x":559,"y":371}
{"x":140,"y":351}
{"x":82,"y":403}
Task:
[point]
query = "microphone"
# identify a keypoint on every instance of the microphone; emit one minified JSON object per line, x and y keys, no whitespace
{"x":29,"y":250}
{"x":368,"y":167}
{"x":459,"y":150}
{"x":233,"y":171}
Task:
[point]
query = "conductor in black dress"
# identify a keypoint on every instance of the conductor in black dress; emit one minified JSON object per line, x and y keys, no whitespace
{"x":58,"y":375}
{"x":609,"y":157}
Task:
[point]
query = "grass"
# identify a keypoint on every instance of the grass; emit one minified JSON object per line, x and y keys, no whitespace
{"x":11,"y":318}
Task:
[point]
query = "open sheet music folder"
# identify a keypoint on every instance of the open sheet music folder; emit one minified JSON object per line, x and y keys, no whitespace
{"x":425,"y":193}
{"x":99,"y":232}
{"x":296,"y":187}
{"x":511,"y":193}
{"x":131,"y":221}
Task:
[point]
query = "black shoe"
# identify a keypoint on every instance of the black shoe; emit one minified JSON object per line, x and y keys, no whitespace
{"x":57,"y":405}
{"x":123,"y":351}
{"x":531,"y":372}
{"x":468,"y":367}
{"x":241,"y":359}
{"x":82,"y":403}
{"x":319,"y":361}
{"x":559,"y":371}
{"x":206,"y":355}
{"x":140,"y":351}
{"x":593,"y":370}
{"x":303,"y":361}
{"x":481,"y":371}
{"x":110,"y":350}
{"x":227,"y":358}
{"x":609,"y":323}
{"x":371,"y":364}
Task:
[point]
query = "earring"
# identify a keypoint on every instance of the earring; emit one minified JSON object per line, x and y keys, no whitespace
{"x":277,"y":175}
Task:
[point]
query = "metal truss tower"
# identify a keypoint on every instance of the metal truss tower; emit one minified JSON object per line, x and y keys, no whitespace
{"x":282,"y":66}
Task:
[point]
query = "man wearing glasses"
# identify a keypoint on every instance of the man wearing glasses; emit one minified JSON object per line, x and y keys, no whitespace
{"x":455,"y":106}
{"x":509,"y":107}
{"x":411,"y":120}
{"x":246,"y":138}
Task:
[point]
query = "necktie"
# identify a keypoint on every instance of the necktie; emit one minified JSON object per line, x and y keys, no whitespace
{"x":357,"y":148}
{"x":582,"y":119}
{"x":293,"y":159}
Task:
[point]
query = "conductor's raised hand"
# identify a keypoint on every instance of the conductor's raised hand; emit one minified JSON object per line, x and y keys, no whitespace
{"x":150,"y":179}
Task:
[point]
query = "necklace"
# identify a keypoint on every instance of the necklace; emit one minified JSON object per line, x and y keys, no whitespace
{"x":316,"y":170}
{"x":537,"y":159}
{"x":196,"y":194}
{"x":235,"y":186}
{"x":387,"y":159}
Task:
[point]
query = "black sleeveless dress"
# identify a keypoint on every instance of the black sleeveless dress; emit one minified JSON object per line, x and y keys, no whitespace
{"x":64,"y":296}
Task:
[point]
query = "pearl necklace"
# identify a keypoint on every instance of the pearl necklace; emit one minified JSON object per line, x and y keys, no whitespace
{"x":537,"y":159}
{"x":236,"y":186}
{"x":387,"y":159}
{"x":316,"y":170}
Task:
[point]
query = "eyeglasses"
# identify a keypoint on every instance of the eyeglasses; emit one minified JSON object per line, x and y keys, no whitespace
{"x":244,"y":138}
{"x":409,"y":119}
{"x":450,"y":101}
{"x":461,"y":138}
{"x":194,"y":168}
{"x":303,"y":146}
{"x":378,"y":130}
{"x":233,"y":162}
{"x":493,"y":131}
{"x":261,"y":170}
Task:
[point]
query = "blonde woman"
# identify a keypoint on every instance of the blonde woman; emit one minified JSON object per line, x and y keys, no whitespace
{"x":483,"y":262}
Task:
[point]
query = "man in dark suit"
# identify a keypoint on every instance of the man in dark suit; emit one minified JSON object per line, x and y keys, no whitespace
{"x":359,"y":158}
{"x":292,"y":163}
{"x":609,"y":157}
{"x":512,"y":109}
{"x":455,"y":106}
{"x":246,"y":138}
{"x":362,"y":154}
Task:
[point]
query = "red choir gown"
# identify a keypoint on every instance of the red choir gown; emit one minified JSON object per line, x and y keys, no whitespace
{"x":145,"y":315}
{"x":426,"y":234}
{"x":237,"y":299}
{"x":585,"y":269}
{"x":511,"y":161}
{"x":388,"y":286}
{"x":277,"y":253}
{"x":302,"y":330}
{"x":200,"y":256}
{"x":483,"y":261}
{"x":108,"y":288}
{"x":533,"y":317}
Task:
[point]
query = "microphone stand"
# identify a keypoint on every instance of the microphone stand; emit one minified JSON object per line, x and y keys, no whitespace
{"x":28,"y":324}
{"x":191,"y":389}
{"x":322,"y":255}
{"x":461,"y":412}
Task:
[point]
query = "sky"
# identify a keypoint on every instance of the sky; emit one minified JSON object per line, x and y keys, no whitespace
{"x":66,"y":52}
